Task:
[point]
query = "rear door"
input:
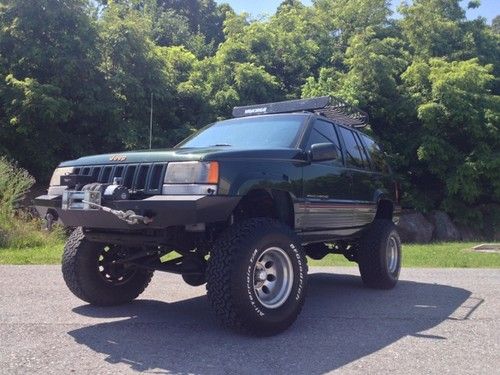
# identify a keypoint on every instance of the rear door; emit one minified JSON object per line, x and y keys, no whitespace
{"x":385,"y":186}
{"x":364,"y":181}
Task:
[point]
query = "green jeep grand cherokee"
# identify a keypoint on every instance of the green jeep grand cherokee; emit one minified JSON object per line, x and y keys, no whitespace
{"x":243,"y":201}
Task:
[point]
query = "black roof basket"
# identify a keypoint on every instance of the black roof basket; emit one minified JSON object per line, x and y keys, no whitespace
{"x":333,"y":108}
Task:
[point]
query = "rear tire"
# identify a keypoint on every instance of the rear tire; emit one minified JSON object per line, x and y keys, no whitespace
{"x":91,"y":274}
{"x":380,"y":255}
{"x":257,"y":275}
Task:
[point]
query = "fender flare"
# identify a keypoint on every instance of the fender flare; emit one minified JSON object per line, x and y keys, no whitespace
{"x":246,"y":182}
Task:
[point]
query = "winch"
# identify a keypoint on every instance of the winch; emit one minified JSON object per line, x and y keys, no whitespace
{"x":91,"y":196}
{"x":109,"y":192}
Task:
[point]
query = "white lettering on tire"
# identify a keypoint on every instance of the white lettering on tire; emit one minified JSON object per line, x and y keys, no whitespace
{"x":250,"y":282}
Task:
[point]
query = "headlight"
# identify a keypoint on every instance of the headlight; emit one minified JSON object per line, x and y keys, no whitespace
{"x":192,"y":173}
{"x":56,"y":176}
{"x":191,"y":178}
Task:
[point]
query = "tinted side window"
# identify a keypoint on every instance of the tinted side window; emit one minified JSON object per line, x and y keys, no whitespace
{"x":352,"y":149}
{"x":323,"y":132}
{"x":376,"y":155}
{"x":364,"y":154}
{"x":316,"y":137}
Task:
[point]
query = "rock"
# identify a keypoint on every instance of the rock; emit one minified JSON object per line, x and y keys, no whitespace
{"x":444,"y":229}
{"x":414,"y":227}
{"x":468,"y":234}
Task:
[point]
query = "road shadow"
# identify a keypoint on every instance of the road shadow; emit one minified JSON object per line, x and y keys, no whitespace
{"x":341,"y":322}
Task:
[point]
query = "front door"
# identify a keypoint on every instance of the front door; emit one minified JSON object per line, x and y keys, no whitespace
{"x":327,"y":186}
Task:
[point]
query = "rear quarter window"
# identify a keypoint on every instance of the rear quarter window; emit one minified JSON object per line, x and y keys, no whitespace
{"x":376,"y":155}
{"x":353,"y":150}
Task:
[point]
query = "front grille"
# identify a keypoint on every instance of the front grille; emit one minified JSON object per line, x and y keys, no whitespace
{"x":147,"y":178}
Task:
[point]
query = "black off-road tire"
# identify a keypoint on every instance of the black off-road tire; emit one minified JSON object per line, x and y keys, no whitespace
{"x":81,"y":273}
{"x":231,"y":276}
{"x":374,"y":266}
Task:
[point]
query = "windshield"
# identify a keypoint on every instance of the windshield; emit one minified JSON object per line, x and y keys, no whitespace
{"x":252,"y":132}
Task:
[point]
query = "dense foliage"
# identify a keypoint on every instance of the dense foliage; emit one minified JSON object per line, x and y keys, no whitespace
{"x":17,"y":228}
{"x":14,"y":182}
{"x":77,"y":77}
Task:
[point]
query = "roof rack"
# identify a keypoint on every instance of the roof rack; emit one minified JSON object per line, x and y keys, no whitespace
{"x":331,"y":107}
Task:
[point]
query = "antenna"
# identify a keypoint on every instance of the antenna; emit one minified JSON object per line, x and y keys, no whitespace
{"x":151,"y":124}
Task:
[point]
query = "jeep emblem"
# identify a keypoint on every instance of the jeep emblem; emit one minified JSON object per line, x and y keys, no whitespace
{"x":118,"y":158}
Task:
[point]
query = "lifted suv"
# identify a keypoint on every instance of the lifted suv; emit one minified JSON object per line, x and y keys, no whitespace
{"x":241,"y":203}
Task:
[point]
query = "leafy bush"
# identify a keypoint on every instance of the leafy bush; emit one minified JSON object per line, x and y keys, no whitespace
{"x":14,"y":183}
{"x":17,"y":230}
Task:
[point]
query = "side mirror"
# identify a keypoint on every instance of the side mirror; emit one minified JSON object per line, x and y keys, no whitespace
{"x":324,"y":151}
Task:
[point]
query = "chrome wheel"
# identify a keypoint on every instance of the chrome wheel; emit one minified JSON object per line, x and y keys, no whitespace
{"x":392,"y":255}
{"x":273,"y":277}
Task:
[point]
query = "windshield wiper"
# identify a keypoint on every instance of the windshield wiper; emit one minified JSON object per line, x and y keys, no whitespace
{"x":221,"y":145}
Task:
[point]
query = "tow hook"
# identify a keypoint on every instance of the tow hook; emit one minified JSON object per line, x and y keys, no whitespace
{"x":128,"y":216}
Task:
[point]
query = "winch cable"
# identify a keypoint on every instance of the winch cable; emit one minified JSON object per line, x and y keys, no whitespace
{"x":128,"y":216}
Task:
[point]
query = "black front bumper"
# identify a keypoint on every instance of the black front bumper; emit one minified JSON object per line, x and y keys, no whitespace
{"x":165,"y":210}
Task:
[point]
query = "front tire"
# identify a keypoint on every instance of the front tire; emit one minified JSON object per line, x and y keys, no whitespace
{"x":380,"y":255}
{"x":257,"y":275}
{"x":91,"y":272}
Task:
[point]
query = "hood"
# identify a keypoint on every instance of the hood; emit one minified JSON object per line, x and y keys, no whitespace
{"x":182,"y":154}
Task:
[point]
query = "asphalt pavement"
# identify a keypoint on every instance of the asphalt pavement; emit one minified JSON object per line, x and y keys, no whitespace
{"x":435,"y":321}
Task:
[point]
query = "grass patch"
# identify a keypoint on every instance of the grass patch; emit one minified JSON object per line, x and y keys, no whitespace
{"x":46,"y":254}
{"x":23,"y":242}
{"x":439,"y":255}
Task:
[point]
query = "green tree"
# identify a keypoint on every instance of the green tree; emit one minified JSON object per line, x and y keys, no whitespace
{"x":340,"y":20}
{"x":432,"y":26}
{"x":495,"y":24}
{"x":285,"y":45}
{"x":134,"y":69}
{"x":184,"y":111}
{"x":221,"y":84}
{"x":54,"y":101}
{"x":461,"y":139}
